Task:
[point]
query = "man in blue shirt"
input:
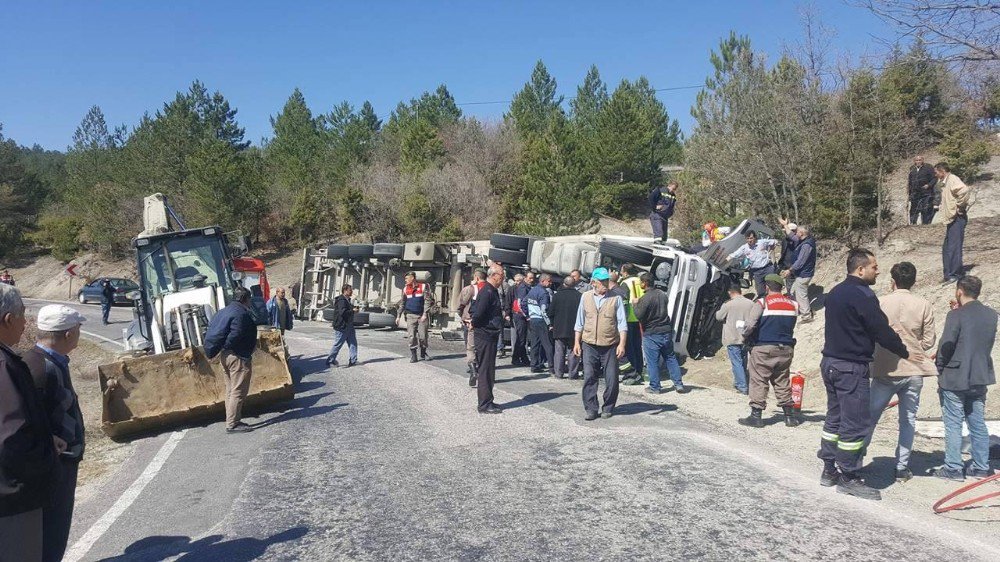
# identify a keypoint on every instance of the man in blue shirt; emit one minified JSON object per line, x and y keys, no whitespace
{"x":537,"y":302}
{"x":232,"y":335}
{"x":601,"y":332}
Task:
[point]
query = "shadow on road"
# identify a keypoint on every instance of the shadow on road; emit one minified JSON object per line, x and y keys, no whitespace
{"x":208,"y":549}
{"x":530,"y":377}
{"x":305,"y":366}
{"x":643,"y":408}
{"x":537,"y":398}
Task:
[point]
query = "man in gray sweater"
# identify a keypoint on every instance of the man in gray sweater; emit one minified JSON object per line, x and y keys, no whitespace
{"x":735,"y":313}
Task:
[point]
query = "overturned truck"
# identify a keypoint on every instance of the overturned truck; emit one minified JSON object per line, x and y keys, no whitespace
{"x":695,"y":282}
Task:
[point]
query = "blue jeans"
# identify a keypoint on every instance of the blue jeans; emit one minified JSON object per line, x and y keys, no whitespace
{"x":657,"y":348}
{"x":339,"y":338}
{"x":907,"y":389}
{"x":967,"y":405}
{"x":105,"y":310}
{"x":738,"y":359}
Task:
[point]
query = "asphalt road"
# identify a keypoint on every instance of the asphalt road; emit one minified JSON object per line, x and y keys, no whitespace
{"x":391,"y":461}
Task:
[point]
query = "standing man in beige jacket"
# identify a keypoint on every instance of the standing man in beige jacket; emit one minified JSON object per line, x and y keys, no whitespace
{"x":955,"y":200}
{"x":913,"y":319}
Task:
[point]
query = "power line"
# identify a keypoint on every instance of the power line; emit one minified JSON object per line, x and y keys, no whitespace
{"x":509,"y":101}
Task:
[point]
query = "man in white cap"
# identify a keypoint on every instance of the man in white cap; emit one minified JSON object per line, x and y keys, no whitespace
{"x":58,"y":335}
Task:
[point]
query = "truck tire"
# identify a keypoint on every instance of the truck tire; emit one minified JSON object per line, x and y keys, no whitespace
{"x":508,"y":257}
{"x":387,"y":250}
{"x":360,"y":251}
{"x":619,"y":251}
{"x":381,"y":320}
{"x":509,"y":242}
{"x":360,"y":318}
{"x":335,"y":251}
{"x":328,"y":314}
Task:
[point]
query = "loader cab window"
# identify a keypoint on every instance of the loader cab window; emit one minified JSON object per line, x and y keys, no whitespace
{"x":184,"y":263}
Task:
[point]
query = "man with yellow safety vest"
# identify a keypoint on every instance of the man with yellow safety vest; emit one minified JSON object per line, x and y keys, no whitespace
{"x":633,"y":291}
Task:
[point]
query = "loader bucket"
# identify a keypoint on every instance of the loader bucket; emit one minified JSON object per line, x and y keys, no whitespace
{"x":154,"y":393}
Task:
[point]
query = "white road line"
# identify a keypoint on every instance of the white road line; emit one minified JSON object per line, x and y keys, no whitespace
{"x":97,"y":530}
{"x":102,"y":338}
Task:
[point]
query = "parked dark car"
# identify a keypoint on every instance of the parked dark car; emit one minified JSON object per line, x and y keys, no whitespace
{"x":91,"y":292}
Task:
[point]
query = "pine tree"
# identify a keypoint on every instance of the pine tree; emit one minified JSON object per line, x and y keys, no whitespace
{"x":551,"y":199}
{"x":590,"y":98}
{"x":295,"y":152}
{"x":535,"y":107}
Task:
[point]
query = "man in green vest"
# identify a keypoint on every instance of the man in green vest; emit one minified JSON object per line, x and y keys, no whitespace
{"x":601,"y":334}
{"x":633,"y":351}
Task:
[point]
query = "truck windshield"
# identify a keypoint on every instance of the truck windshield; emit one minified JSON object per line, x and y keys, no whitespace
{"x":184,"y":263}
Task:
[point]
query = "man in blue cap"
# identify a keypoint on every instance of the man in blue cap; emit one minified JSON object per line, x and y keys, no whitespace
{"x":601,"y":332}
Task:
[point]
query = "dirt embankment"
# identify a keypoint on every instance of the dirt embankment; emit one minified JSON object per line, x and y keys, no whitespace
{"x":46,"y":278}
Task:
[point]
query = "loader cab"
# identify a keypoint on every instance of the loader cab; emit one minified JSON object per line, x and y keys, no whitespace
{"x":186,"y":272}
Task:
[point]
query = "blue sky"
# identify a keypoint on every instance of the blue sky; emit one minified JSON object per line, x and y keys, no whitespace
{"x":59,"y":58}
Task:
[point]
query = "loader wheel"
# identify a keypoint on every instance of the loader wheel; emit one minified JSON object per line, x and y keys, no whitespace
{"x":360,"y":251}
{"x":388,"y":251}
{"x":334,"y":251}
{"x":509,"y":242}
{"x":619,"y":251}
{"x":508,"y":257}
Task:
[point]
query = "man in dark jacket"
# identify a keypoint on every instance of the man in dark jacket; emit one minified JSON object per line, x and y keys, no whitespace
{"x":107,"y":299}
{"x":232,"y":335}
{"x":58,"y":335}
{"x":487,"y":322}
{"x":536,"y":304}
{"x":661,"y":208}
{"x":801,"y":269}
{"x":920,"y":187}
{"x":28,"y":463}
{"x":279,"y":313}
{"x":519,"y":318}
{"x":562,"y":314}
{"x":965,"y":367}
{"x":653,"y":313}
{"x":343,"y":328}
{"x":854,"y":324}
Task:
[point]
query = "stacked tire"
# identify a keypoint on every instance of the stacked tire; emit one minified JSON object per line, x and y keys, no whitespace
{"x":509,"y":249}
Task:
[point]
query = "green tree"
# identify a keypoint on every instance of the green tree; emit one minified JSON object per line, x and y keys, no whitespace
{"x":225,"y":187}
{"x":590,"y":99}
{"x":295,"y":153}
{"x":552,"y":199}
{"x":536,"y":105}
{"x":20,"y":196}
{"x":914,"y":82}
{"x":421,"y":147}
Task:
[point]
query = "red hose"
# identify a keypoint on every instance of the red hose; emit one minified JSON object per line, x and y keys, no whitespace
{"x":937,"y":506}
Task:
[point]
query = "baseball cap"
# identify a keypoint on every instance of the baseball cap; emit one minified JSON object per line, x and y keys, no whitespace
{"x":601,"y":274}
{"x":58,"y":318}
{"x":774,"y":278}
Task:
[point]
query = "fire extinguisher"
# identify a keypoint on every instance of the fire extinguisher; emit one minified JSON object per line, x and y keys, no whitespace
{"x":798,"y":387}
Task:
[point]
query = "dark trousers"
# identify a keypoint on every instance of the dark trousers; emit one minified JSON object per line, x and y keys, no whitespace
{"x":633,"y":348}
{"x":541,"y":340}
{"x":951,"y":252}
{"x":519,"y":350}
{"x":599,"y":360}
{"x":758,"y":279}
{"x":848,"y":414}
{"x":659,"y":225}
{"x":486,"y":365}
{"x":105,"y":310}
{"x":922,"y":209}
{"x":565,"y":360}
{"x":58,"y":515}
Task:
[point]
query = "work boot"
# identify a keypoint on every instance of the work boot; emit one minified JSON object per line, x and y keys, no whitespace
{"x":753,"y":420}
{"x":472,"y":376}
{"x":413,"y":356}
{"x":791,"y":420}
{"x":855,"y":486}
{"x":423,"y":354}
{"x":830,"y":477}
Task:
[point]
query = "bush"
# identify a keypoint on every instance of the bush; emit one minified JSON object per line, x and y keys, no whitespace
{"x":965,"y":154}
{"x":619,"y":200}
{"x":61,"y":235}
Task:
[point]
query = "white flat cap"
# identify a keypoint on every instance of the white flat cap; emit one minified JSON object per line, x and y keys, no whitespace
{"x":792,"y":226}
{"x":58,"y":317}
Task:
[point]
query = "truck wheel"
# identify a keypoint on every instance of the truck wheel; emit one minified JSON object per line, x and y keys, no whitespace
{"x":387,"y":250}
{"x":619,"y":251}
{"x":509,"y":242}
{"x":360,"y":318}
{"x":381,"y":320}
{"x":360,"y":251}
{"x":508,"y":257}
{"x":334,"y":251}
{"x":328,"y":314}
{"x":83,"y":299}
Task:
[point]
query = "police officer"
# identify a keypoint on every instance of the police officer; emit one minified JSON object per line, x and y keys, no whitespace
{"x":416,"y":306}
{"x":854,"y":324}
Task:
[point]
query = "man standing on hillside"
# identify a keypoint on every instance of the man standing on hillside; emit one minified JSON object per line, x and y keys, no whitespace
{"x":537,"y":302}
{"x":801,"y":270}
{"x":735,"y":313}
{"x":920,"y":188}
{"x":963,"y":360}
{"x":232,"y":334}
{"x":601,"y":332}
{"x":913,"y":319}
{"x":955,"y":198}
{"x":757,"y":254}
{"x":633,"y":289}
{"x":661,"y":204}
{"x":415,"y":310}
{"x":854,"y":324}
{"x":652,"y":311}
{"x":562,"y":313}
{"x":487,"y":323}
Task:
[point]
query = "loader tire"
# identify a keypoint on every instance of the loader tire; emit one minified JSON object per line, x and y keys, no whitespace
{"x":619,"y":251}
{"x":334,"y":251}
{"x":508,"y":257}
{"x":360,"y":251}
{"x":509,"y":242}
{"x":388,"y":251}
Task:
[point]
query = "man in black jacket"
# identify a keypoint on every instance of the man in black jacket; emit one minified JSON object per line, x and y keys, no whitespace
{"x":232,"y":335}
{"x":920,"y":187}
{"x":653,"y":313}
{"x":107,"y":299}
{"x":487,"y":321}
{"x":343,"y":328}
{"x":854,"y":324}
{"x":661,"y":208}
{"x":28,"y":463}
{"x":562,"y":313}
{"x":519,"y":317}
